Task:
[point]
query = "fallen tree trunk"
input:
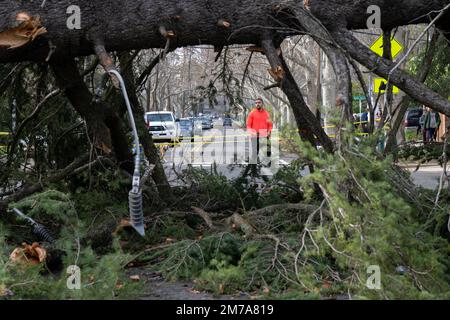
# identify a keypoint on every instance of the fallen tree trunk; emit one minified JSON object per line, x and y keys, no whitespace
{"x":136,"y":24}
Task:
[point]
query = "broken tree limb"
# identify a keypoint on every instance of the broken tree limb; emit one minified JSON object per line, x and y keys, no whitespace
{"x":255,"y":49}
{"x":223,"y":23}
{"x":106,"y":61}
{"x":28,"y":29}
{"x":307,"y":122}
{"x":103,"y":56}
{"x":30,"y":189}
{"x":270,"y":210}
{"x":204,"y":215}
{"x":168,"y":34}
{"x":277,"y":73}
{"x":239,"y":222}
{"x":272,"y":86}
{"x":104,"y":126}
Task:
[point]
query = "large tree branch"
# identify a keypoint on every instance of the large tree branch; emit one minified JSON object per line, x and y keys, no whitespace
{"x":383,"y":67}
{"x":104,"y":126}
{"x":306,"y":120}
{"x":344,"y":96}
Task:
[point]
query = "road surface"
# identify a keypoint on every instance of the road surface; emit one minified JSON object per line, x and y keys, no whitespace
{"x":226,"y":150}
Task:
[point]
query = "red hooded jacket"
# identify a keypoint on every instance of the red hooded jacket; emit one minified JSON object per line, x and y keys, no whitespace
{"x":258,"y":121}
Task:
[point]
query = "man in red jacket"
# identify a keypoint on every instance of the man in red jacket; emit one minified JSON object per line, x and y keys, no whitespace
{"x":259,"y":126}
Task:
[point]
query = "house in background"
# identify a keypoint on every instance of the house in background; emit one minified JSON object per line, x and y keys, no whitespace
{"x":444,"y":128}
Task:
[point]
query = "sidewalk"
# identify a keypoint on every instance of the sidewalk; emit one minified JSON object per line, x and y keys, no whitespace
{"x":427,"y":176}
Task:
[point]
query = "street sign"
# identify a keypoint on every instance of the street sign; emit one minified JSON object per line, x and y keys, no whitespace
{"x":377,"y":47}
{"x":380,"y":86}
{"x":359,"y":98}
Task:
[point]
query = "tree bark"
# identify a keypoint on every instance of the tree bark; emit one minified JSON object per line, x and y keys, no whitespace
{"x":308,"y":124}
{"x":136,"y":24}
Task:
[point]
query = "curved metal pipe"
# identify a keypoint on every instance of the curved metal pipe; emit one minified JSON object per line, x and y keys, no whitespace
{"x":135,"y":195}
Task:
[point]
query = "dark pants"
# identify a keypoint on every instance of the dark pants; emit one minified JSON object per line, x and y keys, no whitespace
{"x":431,"y":134}
{"x":256,"y":144}
{"x":425,"y":135}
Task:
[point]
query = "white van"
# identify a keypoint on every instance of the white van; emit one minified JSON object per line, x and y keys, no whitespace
{"x":163,"y":126}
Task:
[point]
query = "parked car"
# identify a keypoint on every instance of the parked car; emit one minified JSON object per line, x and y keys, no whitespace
{"x":163,"y":126}
{"x":187,"y":129}
{"x":198,"y":126}
{"x":227,"y":122}
{"x":412,"y":117}
{"x":206,"y":123}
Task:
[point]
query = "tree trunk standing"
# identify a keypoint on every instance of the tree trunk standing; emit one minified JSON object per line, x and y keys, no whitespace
{"x":190,"y":74}
{"x":170,"y":106}
{"x":155,"y":103}
{"x":328,"y":94}
{"x":318,"y":87}
{"x":149,"y":95}
{"x":343,"y":86}
{"x":388,"y":91}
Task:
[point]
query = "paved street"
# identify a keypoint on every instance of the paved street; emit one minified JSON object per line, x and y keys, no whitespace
{"x":228,"y":149}
{"x":428,"y":175}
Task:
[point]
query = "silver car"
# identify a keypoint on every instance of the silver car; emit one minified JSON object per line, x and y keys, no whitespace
{"x":186,"y":129}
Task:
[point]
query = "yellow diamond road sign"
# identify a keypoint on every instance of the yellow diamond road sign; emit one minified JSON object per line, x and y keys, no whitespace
{"x":380,"y":85}
{"x":377,"y":47}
